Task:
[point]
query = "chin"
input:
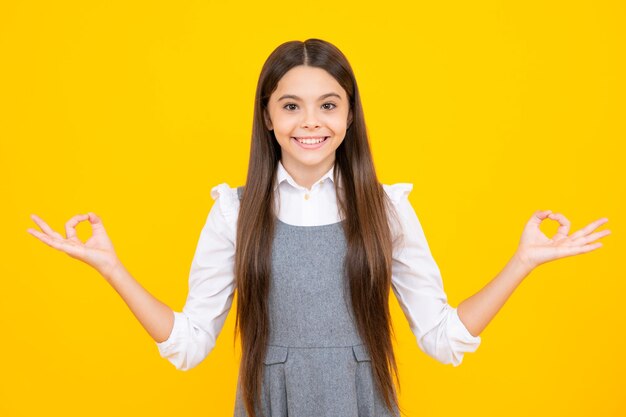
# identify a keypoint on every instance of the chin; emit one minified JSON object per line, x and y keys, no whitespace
{"x":316,"y":160}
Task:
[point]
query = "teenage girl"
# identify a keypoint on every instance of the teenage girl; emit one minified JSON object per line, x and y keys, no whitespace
{"x":312,"y":245}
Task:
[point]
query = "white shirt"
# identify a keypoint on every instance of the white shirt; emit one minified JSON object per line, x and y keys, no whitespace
{"x":416,"y":279}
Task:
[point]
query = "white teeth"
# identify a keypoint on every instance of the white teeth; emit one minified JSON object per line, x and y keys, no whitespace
{"x":310,"y":141}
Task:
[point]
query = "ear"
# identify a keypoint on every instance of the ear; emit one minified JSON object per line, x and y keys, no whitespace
{"x":349,"y":118}
{"x":268,"y":121}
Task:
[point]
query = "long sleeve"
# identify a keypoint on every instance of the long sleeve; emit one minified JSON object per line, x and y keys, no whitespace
{"x":418,"y":286}
{"x":211,"y":286}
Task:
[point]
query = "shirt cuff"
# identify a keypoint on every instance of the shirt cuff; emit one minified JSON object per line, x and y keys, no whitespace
{"x":169,"y":345}
{"x":463,"y":341}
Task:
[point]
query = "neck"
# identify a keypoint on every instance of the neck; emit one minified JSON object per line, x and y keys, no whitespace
{"x":306,"y":176}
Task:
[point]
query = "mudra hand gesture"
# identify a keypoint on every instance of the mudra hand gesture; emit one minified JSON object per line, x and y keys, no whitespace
{"x":97,"y":251}
{"x":535,"y":248}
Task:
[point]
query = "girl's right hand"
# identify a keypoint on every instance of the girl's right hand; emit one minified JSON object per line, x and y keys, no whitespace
{"x":97,"y":252}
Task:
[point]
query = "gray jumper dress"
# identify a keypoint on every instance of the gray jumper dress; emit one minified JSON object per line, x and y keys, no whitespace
{"x":316,"y":364}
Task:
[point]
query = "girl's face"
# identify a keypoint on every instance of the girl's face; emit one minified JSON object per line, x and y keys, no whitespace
{"x":308,"y":103}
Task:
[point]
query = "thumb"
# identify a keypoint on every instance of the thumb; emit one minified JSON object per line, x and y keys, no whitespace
{"x":539,"y":216}
{"x":95,"y":221}
{"x":93,"y":218}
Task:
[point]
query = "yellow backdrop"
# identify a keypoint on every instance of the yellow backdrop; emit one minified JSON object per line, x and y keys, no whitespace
{"x":134,"y":110}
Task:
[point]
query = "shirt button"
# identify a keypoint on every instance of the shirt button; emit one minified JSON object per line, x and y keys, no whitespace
{"x":306,"y":196}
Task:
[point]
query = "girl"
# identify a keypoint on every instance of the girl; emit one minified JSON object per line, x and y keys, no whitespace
{"x":312,"y":245}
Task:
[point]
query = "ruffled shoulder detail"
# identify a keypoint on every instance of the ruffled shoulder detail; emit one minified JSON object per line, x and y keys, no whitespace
{"x":226,"y":197}
{"x":398,"y":191}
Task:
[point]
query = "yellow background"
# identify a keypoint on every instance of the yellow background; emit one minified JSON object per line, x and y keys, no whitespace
{"x":134,"y":110}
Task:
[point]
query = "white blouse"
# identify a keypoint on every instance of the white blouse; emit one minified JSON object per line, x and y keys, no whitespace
{"x":416,"y":279}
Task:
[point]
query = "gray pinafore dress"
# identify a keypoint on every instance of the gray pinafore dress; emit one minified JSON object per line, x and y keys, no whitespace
{"x":316,"y":364}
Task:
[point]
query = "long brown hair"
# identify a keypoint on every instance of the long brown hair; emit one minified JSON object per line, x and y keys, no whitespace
{"x":363,"y":204}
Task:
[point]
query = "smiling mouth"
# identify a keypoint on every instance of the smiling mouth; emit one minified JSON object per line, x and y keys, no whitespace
{"x":311,"y":141}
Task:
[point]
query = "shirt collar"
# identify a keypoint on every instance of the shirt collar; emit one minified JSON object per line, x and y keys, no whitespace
{"x":283,"y":175}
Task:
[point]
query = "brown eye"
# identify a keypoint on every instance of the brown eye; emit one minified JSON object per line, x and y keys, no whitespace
{"x":332,"y":104}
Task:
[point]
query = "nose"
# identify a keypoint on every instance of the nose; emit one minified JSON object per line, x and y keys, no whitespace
{"x":310,"y":120}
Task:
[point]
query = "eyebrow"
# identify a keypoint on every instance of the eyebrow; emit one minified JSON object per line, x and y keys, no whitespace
{"x":291,"y":96}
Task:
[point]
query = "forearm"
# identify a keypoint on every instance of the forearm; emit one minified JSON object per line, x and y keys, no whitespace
{"x":477,"y":311}
{"x":156,"y":317}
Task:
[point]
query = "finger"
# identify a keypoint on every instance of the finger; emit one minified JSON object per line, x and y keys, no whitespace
{"x":44,"y":226}
{"x":592,"y":237}
{"x":564,"y":225}
{"x":589,"y":228}
{"x":65,"y":246}
{"x":41,"y":236}
{"x":52,"y":242}
{"x":577,"y":250}
{"x":70,"y":230}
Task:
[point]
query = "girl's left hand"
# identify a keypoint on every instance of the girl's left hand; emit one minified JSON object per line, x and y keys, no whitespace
{"x":535,"y":248}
